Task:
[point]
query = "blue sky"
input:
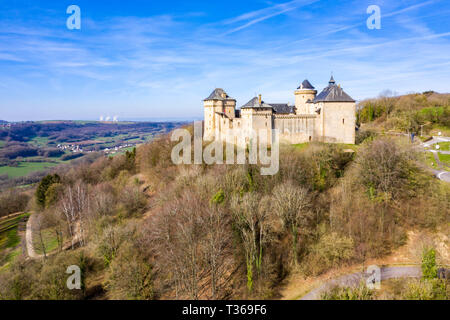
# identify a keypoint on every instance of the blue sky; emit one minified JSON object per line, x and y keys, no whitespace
{"x":155,"y":59}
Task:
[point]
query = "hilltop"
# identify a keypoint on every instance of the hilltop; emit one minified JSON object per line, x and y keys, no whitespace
{"x":424,"y":113}
{"x":141,"y":227}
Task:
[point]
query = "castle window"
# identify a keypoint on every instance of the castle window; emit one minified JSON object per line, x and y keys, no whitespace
{"x":343,"y":121}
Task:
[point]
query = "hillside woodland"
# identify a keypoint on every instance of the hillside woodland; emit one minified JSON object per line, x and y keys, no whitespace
{"x":141,"y":227}
{"x":419,"y":113}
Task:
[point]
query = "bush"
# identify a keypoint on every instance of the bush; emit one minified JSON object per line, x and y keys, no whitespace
{"x":433,"y":289}
{"x":360,"y":292}
{"x":129,"y":276}
{"x":385,"y":168}
{"x":429,"y":268}
{"x":333,"y":249}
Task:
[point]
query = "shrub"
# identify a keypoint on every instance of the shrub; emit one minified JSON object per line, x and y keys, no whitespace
{"x":360,"y":292}
{"x":129,"y":276}
{"x":385,"y":168}
{"x":334,"y":249}
{"x":434,"y":289}
{"x":429,"y":268}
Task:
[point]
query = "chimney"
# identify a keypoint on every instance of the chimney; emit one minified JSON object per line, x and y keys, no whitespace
{"x":259,"y":99}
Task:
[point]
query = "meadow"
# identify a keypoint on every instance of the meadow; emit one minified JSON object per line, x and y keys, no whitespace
{"x":10,"y":239}
{"x":25,"y":168}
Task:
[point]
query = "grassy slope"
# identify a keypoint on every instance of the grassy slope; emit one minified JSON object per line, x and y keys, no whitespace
{"x":25,"y":168}
{"x":50,"y":241}
{"x":9,"y":239}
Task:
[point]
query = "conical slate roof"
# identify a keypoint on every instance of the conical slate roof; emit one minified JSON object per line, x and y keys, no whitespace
{"x":331,"y":82}
{"x":306,"y":85}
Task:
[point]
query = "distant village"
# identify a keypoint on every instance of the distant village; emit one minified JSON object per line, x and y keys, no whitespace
{"x":79,"y":149}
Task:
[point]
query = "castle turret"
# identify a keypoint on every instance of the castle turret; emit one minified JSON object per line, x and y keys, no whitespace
{"x":304,"y":94}
{"x":217,"y":105}
{"x":337,"y":114}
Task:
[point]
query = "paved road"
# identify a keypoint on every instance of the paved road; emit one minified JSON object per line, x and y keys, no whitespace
{"x":440,"y":174}
{"x":354,"y":279}
{"x":436,"y":140}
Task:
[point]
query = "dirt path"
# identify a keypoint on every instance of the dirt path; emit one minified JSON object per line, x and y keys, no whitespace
{"x":353,"y":279}
{"x":29,"y":240}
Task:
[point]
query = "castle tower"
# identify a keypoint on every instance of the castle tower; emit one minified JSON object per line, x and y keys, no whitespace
{"x":216,"y":107}
{"x":304,"y":94}
{"x":337,"y":116}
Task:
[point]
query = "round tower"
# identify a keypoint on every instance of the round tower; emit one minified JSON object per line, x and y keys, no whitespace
{"x":304,"y":94}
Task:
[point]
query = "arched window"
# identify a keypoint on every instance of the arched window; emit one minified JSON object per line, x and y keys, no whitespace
{"x":343,"y":120}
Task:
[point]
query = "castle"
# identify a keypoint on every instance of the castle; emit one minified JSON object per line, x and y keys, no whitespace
{"x":329,"y":116}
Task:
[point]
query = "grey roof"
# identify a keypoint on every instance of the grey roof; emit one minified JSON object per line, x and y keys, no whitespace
{"x":333,"y":93}
{"x":217,"y":94}
{"x":306,"y":85}
{"x":282,"y":108}
{"x":254,"y":103}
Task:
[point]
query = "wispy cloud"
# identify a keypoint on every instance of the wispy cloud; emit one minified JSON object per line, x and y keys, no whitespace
{"x":257,"y":16}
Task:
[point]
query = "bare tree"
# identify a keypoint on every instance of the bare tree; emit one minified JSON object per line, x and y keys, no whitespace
{"x":291,"y":205}
{"x":216,"y":244}
{"x":177,"y":234}
{"x":75,"y":206}
{"x":252,"y":221}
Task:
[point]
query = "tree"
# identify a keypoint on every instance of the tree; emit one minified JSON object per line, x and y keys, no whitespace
{"x":251,"y":220}
{"x":291,"y":205}
{"x":429,"y":268}
{"x":216,"y":241}
{"x":75,"y":205}
{"x":43,"y":186}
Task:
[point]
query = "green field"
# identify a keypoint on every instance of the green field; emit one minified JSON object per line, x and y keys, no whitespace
{"x":445,"y":159}
{"x":39,"y":141}
{"x":25,"y":168}
{"x":430,"y":161}
{"x":10,"y":239}
{"x":50,"y":241}
{"x":444,"y":146}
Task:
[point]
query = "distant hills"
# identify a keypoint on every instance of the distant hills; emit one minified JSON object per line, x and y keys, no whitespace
{"x":3,"y":122}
